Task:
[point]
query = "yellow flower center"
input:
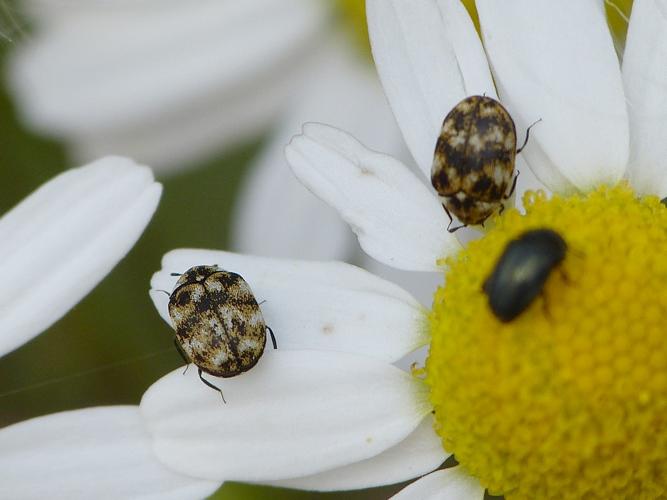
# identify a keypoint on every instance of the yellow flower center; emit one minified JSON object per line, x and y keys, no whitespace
{"x":569,"y":399}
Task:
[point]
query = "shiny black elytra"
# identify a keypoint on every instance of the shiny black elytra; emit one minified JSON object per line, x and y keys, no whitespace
{"x":522,"y":270}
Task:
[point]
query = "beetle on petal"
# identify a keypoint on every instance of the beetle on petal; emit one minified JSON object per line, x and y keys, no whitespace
{"x":473,"y":164}
{"x":219,"y":325}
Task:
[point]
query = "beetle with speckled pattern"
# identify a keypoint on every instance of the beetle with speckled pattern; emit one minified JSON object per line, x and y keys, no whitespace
{"x":219,"y":325}
{"x":473,"y":164}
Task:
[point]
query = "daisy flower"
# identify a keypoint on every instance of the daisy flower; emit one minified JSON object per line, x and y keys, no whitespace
{"x":56,"y":245}
{"x":341,"y":89}
{"x":102,"y":452}
{"x":565,"y":401}
{"x":169,"y":83}
{"x":172,"y":104}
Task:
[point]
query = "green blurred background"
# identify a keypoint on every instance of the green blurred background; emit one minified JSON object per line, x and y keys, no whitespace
{"x":113,"y":345}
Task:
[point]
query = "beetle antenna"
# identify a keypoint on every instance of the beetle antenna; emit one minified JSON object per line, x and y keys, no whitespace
{"x":527,"y":135}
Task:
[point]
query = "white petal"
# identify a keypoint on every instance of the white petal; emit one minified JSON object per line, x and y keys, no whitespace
{"x":645,"y":78}
{"x":429,"y":57}
{"x":194,"y":134}
{"x":59,"y":242}
{"x":315,"y":305}
{"x":448,"y":484}
{"x":177,"y":52}
{"x":419,"y":453}
{"x":560,"y":66}
{"x":277,"y":215}
{"x":102,"y":453}
{"x":397,"y":219}
{"x":144,"y":69}
{"x":295,"y":413}
{"x":415,"y":359}
{"x":422,"y":286}
{"x":526,"y":181}
{"x":470,"y":56}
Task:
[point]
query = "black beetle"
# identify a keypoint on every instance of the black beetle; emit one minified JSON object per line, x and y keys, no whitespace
{"x":522,"y":270}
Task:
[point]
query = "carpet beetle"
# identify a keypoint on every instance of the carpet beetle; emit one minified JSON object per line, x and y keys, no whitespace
{"x":473,"y":164}
{"x":219,"y":325}
{"x":522,"y":270}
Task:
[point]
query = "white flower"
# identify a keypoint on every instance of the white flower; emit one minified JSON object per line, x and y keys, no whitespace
{"x":327,"y":397}
{"x":168,"y":83}
{"x":173,"y":83}
{"x":341,"y":89}
{"x":100,"y":452}
{"x":327,"y":410}
{"x":58,"y":243}
{"x":100,"y":100}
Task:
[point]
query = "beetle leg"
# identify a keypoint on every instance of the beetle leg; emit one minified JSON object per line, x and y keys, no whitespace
{"x":448,"y":214}
{"x":454,"y":229}
{"x":451,"y":221}
{"x":527,"y":135}
{"x":175,"y":274}
{"x":273,"y":338}
{"x":507,"y":196}
{"x":211,"y":386}
{"x":183,"y":356}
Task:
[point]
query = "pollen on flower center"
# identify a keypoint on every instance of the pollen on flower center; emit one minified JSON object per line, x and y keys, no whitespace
{"x":569,"y":399}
